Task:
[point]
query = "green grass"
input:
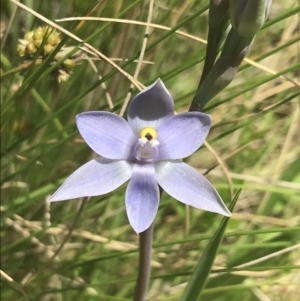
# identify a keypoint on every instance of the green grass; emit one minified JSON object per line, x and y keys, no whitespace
{"x":255,"y":134}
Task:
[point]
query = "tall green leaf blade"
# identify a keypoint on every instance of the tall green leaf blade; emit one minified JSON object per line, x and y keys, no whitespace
{"x":197,"y":281}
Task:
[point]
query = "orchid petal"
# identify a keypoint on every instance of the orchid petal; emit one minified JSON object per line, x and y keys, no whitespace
{"x":150,"y":107}
{"x":181,"y":135}
{"x":185,"y":184}
{"x":142,"y":197}
{"x":107,"y":134}
{"x":96,"y":177}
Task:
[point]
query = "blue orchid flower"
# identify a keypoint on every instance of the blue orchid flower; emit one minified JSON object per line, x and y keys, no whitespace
{"x":147,"y":150}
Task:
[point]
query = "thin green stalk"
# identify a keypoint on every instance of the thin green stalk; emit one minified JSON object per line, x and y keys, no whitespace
{"x":146,"y":240}
{"x":47,"y":109}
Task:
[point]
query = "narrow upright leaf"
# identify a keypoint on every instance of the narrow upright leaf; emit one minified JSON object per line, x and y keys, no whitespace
{"x":200,"y":275}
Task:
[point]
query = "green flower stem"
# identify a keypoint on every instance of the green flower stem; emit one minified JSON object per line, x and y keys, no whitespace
{"x":224,"y":70}
{"x":146,"y":240}
{"x":212,"y":50}
{"x":217,"y":22}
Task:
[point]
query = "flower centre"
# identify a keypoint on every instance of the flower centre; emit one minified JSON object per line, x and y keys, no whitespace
{"x":146,"y":148}
{"x":149,"y":133}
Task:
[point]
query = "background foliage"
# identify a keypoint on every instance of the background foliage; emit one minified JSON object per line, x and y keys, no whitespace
{"x":85,"y":249}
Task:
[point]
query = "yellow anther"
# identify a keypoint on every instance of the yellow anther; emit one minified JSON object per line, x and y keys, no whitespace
{"x":149,"y":133}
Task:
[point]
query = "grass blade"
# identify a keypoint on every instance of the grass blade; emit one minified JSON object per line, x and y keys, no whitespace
{"x":198,"y":279}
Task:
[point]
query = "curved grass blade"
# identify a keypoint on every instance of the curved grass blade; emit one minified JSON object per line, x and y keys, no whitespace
{"x":198,"y":279}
